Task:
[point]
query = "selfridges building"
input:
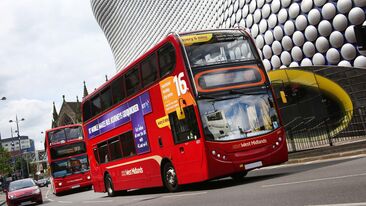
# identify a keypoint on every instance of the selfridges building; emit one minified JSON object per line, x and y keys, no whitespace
{"x":322,"y":71}
{"x":288,"y":33}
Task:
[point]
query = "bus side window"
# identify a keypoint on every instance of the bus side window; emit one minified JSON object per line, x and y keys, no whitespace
{"x":103,"y":152}
{"x":166,"y":59}
{"x":95,"y":151}
{"x":96,"y":105}
{"x":106,"y":98}
{"x":115,"y":148}
{"x":132,"y":81}
{"x":185,"y":129}
{"x":128,"y":144}
{"x":118,"y":91}
{"x":149,"y":70}
{"x":86,"y":110}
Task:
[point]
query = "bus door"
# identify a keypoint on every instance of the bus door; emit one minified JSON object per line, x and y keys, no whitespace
{"x":187,"y":153}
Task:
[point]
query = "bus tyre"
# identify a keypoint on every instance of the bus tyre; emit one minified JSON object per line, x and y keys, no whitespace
{"x":239,"y":177}
{"x":109,"y":186}
{"x":170,"y":178}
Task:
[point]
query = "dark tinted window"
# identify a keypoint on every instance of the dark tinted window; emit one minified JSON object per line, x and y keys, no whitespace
{"x":106,"y":98}
{"x":118,"y":91}
{"x":184,"y":129}
{"x":86,"y":111}
{"x":132,"y":81}
{"x":149,"y":68}
{"x":128,"y":144}
{"x":115,"y":148}
{"x":68,"y":150}
{"x":95,"y":151}
{"x":166,"y":59}
{"x":103,"y":152}
{"x":96,"y":105}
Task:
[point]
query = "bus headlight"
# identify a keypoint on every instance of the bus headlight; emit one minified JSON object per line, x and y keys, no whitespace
{"x":60,"y":184}
{"x":88,"y":177}
{"x":11,"y":197}
{"x":280,"y":139}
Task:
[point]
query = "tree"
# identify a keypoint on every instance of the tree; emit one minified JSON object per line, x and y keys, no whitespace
{"x":5,"y":162}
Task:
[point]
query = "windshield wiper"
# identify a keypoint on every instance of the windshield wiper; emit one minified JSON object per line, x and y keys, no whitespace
{"x":234,"y":91}
{"x":205,"y":96}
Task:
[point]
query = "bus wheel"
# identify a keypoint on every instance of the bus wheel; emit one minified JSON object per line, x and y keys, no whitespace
{"x":170,"y":178}
{"x":109,"y":186}
{"x":239,"y":177}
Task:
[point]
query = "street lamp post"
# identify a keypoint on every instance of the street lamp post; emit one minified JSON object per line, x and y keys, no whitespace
{"x":20,"y":146}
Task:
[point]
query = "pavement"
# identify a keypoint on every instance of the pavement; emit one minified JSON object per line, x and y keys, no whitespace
{"x":329,"y":152}
{"x":2,"y":198}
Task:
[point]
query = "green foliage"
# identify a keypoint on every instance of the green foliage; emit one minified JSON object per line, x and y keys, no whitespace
{"x":5,"y":162}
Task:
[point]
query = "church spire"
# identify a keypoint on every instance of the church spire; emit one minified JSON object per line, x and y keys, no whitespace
{"x":55,"y":116}
{"x":85,"y":90}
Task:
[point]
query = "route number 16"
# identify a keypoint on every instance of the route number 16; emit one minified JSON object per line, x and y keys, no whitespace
{"x":180,"y":84}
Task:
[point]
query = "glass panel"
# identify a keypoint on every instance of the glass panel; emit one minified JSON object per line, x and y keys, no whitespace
{"x":115,"y":149}
{"x":166,"y":59}
{"x":217,"y":48}
{"x":103,"y":152}
{"x":128,"y":144}
{"x":96,"y":106}
{"x":185,"y":129}
{"x":70,"y":166}
{"x":228,"y":77}
{"x":132,"y":81}
{"x":106,"y":98}
{"x":67,"y":150}
{"x":86,"y":111}
{"x":20,"y":184}
{"x":149,"y":70}
{"x":118,"y":92}
{"x":95,"y":151}
{"x":57,"y":136}
{"x":74,"y":133}
{"x":238,"y":116}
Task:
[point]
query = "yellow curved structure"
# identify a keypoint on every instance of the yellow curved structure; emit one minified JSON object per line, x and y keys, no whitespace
{"x":325,"y":85}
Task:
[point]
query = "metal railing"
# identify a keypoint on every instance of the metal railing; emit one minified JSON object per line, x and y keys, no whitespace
{"x":335,"y":129}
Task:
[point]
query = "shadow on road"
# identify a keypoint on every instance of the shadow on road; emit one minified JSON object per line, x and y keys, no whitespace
{"x":208,"y":185}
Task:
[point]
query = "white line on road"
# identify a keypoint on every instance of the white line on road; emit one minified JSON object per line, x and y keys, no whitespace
{"x":344,"y":204}
{"x":47,"y":193}
{"x":315,"y":180}
{"x":65,"y":202}
{"x":182,"y":195}
{"x":97,"y":201}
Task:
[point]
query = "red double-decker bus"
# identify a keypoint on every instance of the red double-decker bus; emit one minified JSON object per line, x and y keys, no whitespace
{"x":195,"y":107}
{"x":67,"y":157}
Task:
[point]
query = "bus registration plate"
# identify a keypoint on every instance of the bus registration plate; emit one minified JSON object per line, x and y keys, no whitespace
{"x":75,"y":186}
{"x":253,"y":165}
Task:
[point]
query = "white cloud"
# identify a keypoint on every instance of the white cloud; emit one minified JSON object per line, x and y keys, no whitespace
{"x":48,"y":48}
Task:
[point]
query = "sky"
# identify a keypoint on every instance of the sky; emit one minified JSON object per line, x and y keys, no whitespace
{"x":47,"y":49}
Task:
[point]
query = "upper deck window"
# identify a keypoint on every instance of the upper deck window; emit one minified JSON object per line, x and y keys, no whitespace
{"x":217,"y":48}
{"x":64,"y":135}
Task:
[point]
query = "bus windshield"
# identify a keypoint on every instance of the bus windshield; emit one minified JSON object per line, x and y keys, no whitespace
{"x":64,"y":135}
{"x":70,"y":166}
{"x":238,"y":116}
{"x":217,"y":48}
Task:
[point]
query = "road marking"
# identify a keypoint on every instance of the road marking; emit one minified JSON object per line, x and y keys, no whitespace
{"x":315,"y":180}
{"x":65,"y":202}
{"x":344,"y":204}
{"x":182,"y":195}
{"x":97,"y":201}
{"x":47,"y":193}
